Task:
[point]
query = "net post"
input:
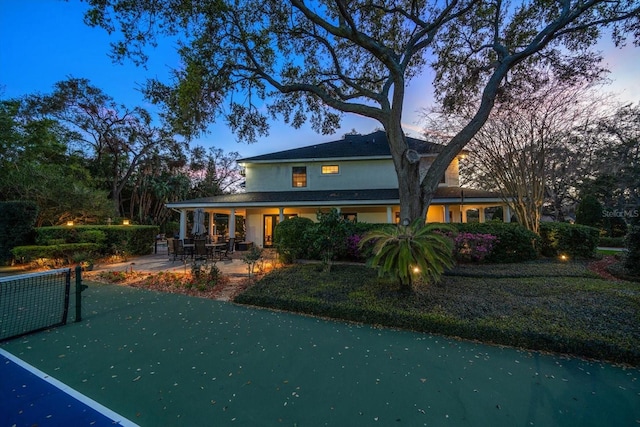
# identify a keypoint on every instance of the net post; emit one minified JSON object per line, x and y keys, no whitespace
{"x":79,"y":288}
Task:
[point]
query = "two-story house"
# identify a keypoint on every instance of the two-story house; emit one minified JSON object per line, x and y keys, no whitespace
{"x":354,"y":174}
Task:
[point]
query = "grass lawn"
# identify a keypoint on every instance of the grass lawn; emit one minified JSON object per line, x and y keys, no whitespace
{"x":549,"y":306}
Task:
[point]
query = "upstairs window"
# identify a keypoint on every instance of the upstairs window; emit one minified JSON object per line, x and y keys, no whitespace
{"x":299,"y":176}
{"x":330,"y":169}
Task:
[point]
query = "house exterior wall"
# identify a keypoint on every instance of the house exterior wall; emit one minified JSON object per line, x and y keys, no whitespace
{"x":351,"y":175}
{"x":452,"y":174}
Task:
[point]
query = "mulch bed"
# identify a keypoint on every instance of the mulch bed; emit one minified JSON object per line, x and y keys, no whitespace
{"x":600,"y":267}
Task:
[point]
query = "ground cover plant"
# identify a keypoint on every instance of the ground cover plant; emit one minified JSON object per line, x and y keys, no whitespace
{"x":550,"y":306}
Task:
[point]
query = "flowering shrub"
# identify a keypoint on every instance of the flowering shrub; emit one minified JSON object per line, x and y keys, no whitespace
{"x":473,"y":247}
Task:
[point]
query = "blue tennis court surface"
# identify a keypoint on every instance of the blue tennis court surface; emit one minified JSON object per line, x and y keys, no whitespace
{"x":29,"y":397}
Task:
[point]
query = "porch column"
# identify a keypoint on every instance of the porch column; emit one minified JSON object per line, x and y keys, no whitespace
{"x":445,"y":209}
{"x":506,"y":213}
{"x":389,"y":215}
{"x":211,"y":231}
{"x":463,"y":215}
{"x":232,"y":229}
{"x":281,"y":210}
{"x":183,"y":223}
{"x":481,"y":218}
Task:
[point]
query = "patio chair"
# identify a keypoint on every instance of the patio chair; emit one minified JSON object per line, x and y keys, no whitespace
{"x":178,"y":249}
{"x":200,"y":249}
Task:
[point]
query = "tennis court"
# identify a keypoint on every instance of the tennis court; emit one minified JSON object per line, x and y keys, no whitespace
{"x":172,"y":360}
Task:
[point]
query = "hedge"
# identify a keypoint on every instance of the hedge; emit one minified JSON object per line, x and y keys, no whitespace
{"x":131,"y":239}
{"x":577,"y":241}
{"x":515,"y":243}
{"x":65,"y":251}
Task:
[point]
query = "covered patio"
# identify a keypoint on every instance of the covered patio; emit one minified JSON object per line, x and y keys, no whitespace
{"x":262,"y":211}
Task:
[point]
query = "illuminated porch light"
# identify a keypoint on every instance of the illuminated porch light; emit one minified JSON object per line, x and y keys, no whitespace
{"x":70,"y":223}
{"x":125,"y":222}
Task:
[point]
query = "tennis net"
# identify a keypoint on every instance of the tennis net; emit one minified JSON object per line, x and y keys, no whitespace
{"x":36,"y":301}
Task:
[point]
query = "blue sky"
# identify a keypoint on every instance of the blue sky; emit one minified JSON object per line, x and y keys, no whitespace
{"x":45,"y":41}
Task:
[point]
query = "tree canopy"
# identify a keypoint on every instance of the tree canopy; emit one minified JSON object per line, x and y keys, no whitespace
{"x":251,"y":61}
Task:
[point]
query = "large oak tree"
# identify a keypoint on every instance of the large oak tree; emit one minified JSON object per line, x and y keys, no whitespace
{"x":314,"y":60}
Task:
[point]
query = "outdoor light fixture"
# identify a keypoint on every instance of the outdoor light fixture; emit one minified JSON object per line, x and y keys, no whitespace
{"x":416,"y":270}
{"x":125,"y":222}
{"x":563,"y":257}
{"x":70,"y":223}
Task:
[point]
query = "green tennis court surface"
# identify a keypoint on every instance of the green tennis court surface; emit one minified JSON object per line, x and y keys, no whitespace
{"x":171,"y":360}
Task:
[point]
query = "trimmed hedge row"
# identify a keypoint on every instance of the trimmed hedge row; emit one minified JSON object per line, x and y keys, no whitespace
{"x":577,"y":241}
{"x":64,"y":242}
{"x":65,"y":251}
{"x":294,"y":239}
{"x":132,"y":239}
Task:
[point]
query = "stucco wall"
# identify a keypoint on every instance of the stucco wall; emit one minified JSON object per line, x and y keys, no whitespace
{"x":352,"y":175}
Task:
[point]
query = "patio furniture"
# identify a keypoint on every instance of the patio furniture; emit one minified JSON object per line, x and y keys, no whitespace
{"x":219,"y":250}
{"x":200,"y":249}
{"x":188,"y":247}
{"x":178,"y":249}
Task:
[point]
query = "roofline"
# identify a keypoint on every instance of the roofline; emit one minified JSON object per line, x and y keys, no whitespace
{"x":324,"y":159}
{"x":318,"y":203}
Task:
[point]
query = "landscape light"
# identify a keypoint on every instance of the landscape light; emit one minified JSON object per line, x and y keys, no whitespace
{"x":70,"y":223}
{"x":125,"y":222}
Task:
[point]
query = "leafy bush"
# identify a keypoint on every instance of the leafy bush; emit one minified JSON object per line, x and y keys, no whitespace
{"x":130,"y":239}
{"x":632,"y":257}
{"x":572,"y":239}
{"x":612,"y":242}
{"x":514,"y":242}
{"x":472,"y":247}
{"x":289,"y":238}
{"x":17,"y":219}
{"x":64,"y":253}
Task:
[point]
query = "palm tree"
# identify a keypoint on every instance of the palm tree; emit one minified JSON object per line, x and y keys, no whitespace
{"x":413,"y":251}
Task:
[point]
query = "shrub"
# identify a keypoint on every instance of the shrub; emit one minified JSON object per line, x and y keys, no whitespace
{"x":407,"y":251}
{"x":514,"y":243}
{"x":130,"y":239}
{"x":473,"y":247}
{"x":289,"y":238}
{"x":612,"y":242}
{"x":64,"y":253}
{"x":632,"y":257}
{"x":578,"y":241}
{"x":589,"y":211}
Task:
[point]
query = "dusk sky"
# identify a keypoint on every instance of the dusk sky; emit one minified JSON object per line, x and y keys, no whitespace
{"x":46,"y":41}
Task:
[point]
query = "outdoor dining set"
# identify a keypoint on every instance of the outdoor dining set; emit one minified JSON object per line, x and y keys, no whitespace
{"x":200,"y":249}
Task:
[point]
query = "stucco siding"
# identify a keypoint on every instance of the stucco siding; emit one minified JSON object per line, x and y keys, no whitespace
{"x":351,"y":175}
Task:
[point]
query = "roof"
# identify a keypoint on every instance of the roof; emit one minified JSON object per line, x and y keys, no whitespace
{"x":372,"y":145}
{"x":444,"y":195}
